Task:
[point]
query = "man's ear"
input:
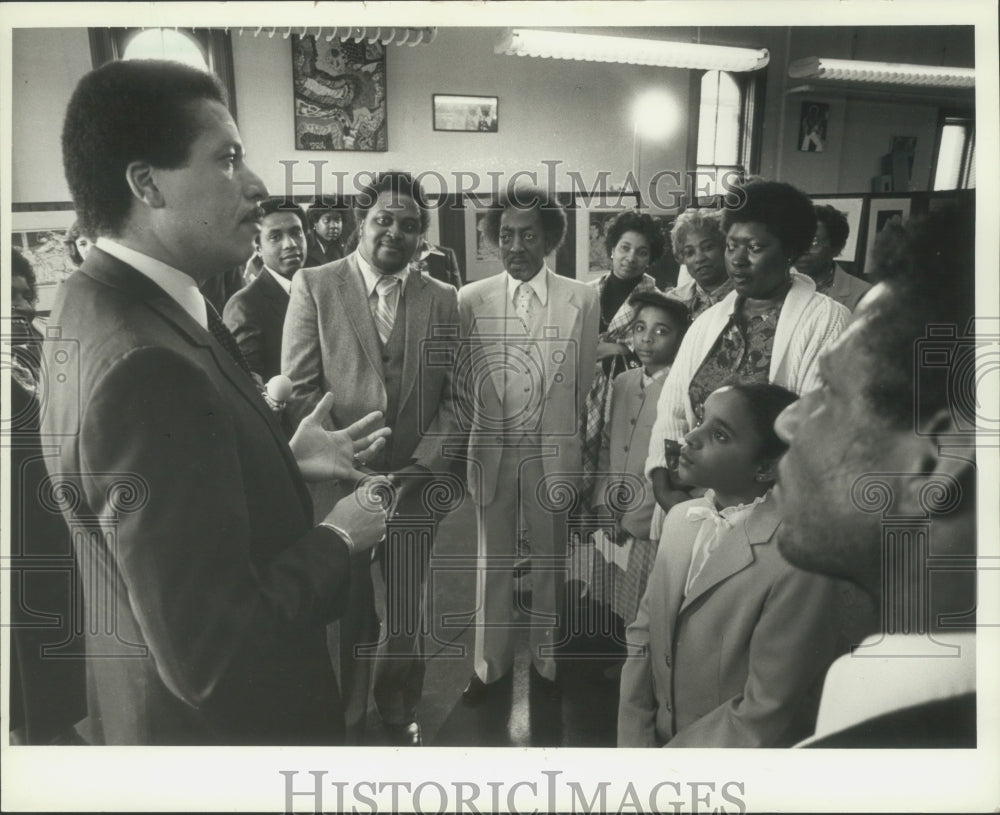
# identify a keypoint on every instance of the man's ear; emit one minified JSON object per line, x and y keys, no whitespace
{"x":936,"y":458}
{"x":141,"y":178}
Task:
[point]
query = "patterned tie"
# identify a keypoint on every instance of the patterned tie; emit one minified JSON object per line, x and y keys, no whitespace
{"x":225,"y":338}
{"x":387,"y":290}
{"x":524,"y":306}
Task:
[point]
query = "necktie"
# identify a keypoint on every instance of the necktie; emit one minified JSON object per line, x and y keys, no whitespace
{"x":702,"y":552}
{"x":524,"y":306}
{"x":387,"y":290}
{"x":226,"y":339}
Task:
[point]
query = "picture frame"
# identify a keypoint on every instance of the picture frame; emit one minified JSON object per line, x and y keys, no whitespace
{"x":339,"y":94}
{"x":814,"y":118}
{"x":882,"y":211}
{"x":40,"y":236}
{"x":463,"y":113}
{"x":853,"y":207}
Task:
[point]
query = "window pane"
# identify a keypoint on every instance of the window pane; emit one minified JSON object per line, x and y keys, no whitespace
{"x":165,"y":43}
{"x":727,"y":128}
{"x":949,"y":163}
{"x":707,"y":115}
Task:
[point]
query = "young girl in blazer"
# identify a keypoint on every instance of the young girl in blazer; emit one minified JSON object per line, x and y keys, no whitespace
{"x":731,"y":642}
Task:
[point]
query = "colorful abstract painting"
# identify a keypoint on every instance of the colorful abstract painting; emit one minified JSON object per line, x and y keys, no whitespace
{"x":339,"y":94}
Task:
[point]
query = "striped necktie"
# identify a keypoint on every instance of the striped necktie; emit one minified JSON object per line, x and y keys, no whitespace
{"x":387,"y":289}
{"x":225,"y":338}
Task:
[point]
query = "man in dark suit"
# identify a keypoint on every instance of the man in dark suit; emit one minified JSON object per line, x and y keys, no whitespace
{"x":207,"y":585}
{"x":256,"y":314}
{"x":370,"y":322}
{"x":879,"y":487}
{"x":329,"y":225}
{"x":439,"y":262}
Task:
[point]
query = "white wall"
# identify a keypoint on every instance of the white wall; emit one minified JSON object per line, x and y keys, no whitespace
{"x":576,"y":112}
{"x":47,"y":63}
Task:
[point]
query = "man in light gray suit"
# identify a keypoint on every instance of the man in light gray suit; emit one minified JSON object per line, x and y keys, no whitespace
{"x":528,"y":354}
{"x":363,"y":327}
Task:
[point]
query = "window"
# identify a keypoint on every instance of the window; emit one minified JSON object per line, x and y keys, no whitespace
{"x":729,"y":118}
{"x":166,"y":43}
{"x":955,"y":163}
{"x":206,"y":48}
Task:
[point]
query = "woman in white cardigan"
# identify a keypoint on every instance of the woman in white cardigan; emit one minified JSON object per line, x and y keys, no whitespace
{"x":770,"y":328}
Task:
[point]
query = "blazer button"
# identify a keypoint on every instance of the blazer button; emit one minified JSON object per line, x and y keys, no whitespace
{"x":668,"y":660}
{"x":385,"y":358}
{"x":631,"y":421}
{"x":667,"y":706}
{"x":626,"y":448}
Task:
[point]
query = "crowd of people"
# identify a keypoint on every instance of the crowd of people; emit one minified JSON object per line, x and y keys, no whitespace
{"x":258,"y":467}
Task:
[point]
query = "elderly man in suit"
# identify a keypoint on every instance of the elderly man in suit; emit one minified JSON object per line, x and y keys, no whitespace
{"x":256,"y":314}
{"x":208,"y":584}
{"x":364,"y":326}
{"x":529,"y":345}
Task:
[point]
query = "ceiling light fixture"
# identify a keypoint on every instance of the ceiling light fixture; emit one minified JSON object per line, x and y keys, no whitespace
{"x":528,"y":42}
{"x":883,"y":73}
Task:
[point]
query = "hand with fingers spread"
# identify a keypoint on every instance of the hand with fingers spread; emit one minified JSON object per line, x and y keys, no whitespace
{"x":336,"y":454}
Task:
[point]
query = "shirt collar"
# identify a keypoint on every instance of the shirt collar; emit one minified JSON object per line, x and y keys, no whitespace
{"x":649,"y":379}
{"x":371,"y":277}
{"x":429,"y":249}
{"x":540,"y":283}
{"x":283,"y":281}
{"x":181,"y":287}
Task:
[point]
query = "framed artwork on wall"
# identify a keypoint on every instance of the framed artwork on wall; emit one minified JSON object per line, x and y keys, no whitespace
{"x":881,"y":213}
{"x":853,"y":208}
{"x":339,"y":94}
{"x":466,"y":114}
{"x":813,"y":120}
{"x":41,"y":237}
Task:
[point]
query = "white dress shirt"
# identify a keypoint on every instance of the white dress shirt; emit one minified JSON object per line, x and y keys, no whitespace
{"x":283,"y":281}
{"x":180,"y":286}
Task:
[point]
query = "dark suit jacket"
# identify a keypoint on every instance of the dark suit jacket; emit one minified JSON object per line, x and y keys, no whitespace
{"x":317,"y":256}
{"x":442,"y":267}
{"x":256,"y":316}
{"x":208,"y":586}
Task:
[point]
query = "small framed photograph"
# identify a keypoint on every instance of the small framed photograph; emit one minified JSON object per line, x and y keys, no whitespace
{"x":465,"y":114}
{"x":881,"y":213}
{"x":813,"y":120}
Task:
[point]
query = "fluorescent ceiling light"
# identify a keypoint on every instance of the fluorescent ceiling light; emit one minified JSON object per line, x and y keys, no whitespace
{"x":386,"y":35}
{"x":528,"y":42}
{"x":883,"y":73}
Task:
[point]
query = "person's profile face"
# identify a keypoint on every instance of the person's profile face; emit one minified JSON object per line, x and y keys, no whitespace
{"x":834,"y":438}
{"x":329,"y":226}
{"x":522,"y":242}
{"x":390,"y":232}
{"x":282,"y":243}
{"x":703,"y":256}
{"x":210,"y":207}
{"x":724,"y":451}
{"x":755,"y":260}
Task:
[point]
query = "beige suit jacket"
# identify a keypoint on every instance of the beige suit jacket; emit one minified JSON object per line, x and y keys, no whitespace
{"x":330,"y":344}
{"x":738,"y":662}
{"x":569,"y":347}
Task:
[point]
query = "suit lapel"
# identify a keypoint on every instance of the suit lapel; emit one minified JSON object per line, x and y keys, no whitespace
{"x":678,"y":541}
{"x":735,"y":551}
{"x":416,"y":302}
{"x":113,"y":272}
{"x":355,"y":302}
{"x":490,"y":319}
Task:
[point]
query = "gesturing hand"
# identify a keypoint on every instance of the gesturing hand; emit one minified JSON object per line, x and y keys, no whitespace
{"x":327,"y":454}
